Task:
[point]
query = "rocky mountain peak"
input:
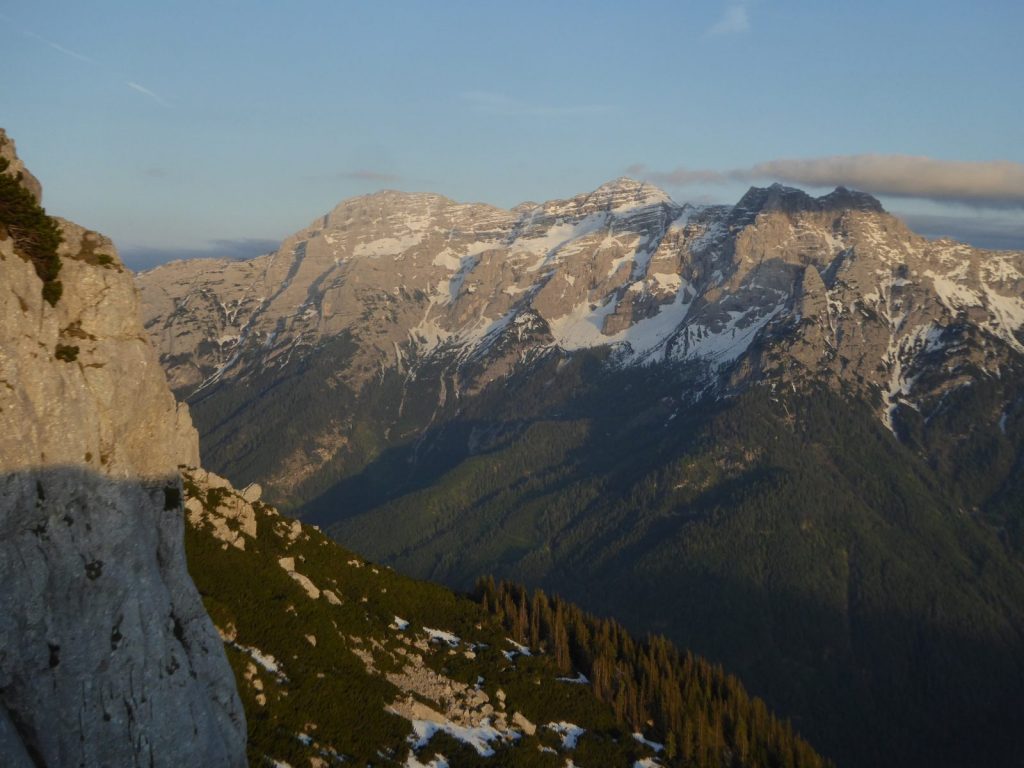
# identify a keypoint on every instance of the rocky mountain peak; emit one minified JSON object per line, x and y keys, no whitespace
{"x":842,"y":198}
{"x":626,"y":191}
{"x":780,"y":198}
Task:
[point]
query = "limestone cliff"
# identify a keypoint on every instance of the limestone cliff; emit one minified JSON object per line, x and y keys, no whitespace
{"x":107,"y":657}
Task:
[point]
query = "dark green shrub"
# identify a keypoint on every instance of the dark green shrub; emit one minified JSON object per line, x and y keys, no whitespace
{"x":52,"y":291}
{"x":36,"y":235}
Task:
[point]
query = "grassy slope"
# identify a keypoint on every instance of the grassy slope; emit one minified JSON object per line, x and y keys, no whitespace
{"x":327,"y":691}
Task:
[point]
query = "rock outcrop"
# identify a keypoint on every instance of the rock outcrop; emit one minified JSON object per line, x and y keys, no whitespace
{"x":107,"y":657}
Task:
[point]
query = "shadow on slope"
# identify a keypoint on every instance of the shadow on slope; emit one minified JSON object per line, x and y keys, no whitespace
{"x":791,"y":538}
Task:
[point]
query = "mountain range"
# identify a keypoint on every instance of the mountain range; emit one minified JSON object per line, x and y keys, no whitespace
{"x":786,"y":433}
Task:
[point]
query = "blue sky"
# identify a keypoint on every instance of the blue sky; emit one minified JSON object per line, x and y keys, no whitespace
{"x":221,"y":127}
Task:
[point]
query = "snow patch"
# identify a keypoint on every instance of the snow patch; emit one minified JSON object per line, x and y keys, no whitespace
{"x":440,"y":636}
{"x":1009,"y":316}
{"x":570,"y":733}
{"x":265,"y":660}
{"x":954,"y":295}
{"x":724,"y":344}
{"x":519,"y":648}
{"x":439,"y":761}
{"x":479,"y":738}
{"x":388,"y":246}
{"x":582,"y":327}
{"x":667,"y":282}
{"x":639,"y":737}
{"x":580,"y":679}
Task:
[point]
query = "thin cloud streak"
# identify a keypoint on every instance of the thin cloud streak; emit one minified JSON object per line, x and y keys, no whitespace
{"x":137,"y":87}
{"x":58,"y":47}
{"x":500,"y":104}
{"x":996,"y":184}
{"x":147,"y":92}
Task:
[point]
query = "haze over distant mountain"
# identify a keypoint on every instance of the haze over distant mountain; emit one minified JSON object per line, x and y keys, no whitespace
{"x":788,"y":432}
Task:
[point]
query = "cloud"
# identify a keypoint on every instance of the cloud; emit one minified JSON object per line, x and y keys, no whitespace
{"x":58,"y":47}
{"x":142,"y":257}
{"x":145,"y":91}
{"x":156,"y":173}
{"x":996,"y":183}
{"x":500,"y":104}
{"x":734,"y":21}
{"x":137,"y":87}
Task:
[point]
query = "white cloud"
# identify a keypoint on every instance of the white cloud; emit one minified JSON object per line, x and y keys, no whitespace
{"x":996,"y":183}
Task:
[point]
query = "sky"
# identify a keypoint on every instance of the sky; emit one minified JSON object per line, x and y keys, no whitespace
{"x":219,"y":128}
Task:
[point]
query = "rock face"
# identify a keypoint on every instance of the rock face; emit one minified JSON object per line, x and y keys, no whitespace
{"x":400,"y":305}
{"x":108,"y":657}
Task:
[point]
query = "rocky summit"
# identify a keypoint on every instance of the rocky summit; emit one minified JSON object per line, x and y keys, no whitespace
{"x":107,"y":656}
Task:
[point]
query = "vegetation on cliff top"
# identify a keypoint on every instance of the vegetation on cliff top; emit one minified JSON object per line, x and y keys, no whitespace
{"x":36,"y":235}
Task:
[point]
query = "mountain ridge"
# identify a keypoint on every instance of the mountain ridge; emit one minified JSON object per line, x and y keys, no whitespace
{"x":416,"y":280}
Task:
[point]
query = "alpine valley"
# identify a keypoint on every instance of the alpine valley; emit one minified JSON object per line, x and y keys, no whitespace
{"x":787,"y":434}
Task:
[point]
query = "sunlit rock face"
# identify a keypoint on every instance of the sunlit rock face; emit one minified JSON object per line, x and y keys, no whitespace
{"x":107,"y":656}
